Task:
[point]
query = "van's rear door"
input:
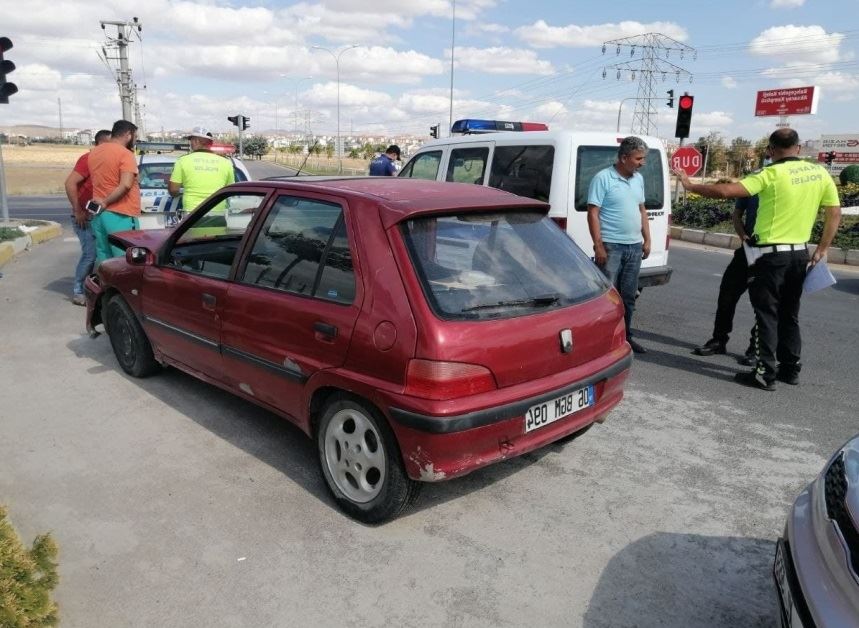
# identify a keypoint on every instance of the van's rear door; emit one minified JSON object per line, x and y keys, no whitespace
{"x":469,"y":163}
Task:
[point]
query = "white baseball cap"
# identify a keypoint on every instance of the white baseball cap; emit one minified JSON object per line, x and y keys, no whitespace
{"x":201,"y":132}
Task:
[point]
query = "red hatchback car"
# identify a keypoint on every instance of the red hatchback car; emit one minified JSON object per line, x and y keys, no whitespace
{"x":416,"y":330}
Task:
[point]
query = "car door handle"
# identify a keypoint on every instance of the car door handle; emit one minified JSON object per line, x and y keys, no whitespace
{"x":324,"y":331}
{"x":209,"y":301}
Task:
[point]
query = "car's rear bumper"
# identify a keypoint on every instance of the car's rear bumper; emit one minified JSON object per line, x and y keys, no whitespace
{"x":823,"y":591}
{"x":438,"y":448}
{"x":654,"y":276}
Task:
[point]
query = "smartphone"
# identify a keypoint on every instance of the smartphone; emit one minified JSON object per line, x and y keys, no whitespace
{"x":93,"y":208}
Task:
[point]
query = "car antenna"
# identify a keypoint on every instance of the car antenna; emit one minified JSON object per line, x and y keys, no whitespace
{"x":309,"y":152}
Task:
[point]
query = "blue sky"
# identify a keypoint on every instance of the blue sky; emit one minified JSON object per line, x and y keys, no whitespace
{"x":540,"y":61}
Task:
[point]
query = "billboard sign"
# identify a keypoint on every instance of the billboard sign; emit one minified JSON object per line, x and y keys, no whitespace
{"x":846,"y":149}
{"x":789,"y":101}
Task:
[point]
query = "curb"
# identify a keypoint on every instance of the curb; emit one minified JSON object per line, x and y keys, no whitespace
{"x":835,"y":255}
{"x":11,"y":248}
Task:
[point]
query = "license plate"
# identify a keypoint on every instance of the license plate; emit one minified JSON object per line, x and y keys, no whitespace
{"x":780,"y":576}
{"x":542,"y":414}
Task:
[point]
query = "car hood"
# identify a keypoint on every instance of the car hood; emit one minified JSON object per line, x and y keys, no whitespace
{"x":151,"y":239}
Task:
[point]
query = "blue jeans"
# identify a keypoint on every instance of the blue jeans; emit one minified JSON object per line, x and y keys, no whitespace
{"x":85,"y":263}
{"x":623,"y":262}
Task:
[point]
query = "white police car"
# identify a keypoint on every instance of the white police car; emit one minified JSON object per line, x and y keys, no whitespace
{"x":159,"y":209}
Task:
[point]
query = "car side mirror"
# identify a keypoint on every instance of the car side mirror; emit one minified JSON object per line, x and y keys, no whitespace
{"x":139,"y":256}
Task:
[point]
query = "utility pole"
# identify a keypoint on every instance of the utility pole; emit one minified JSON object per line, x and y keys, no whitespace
{"x":124,"y":31}
{"x":649,"y":67}
{"x":60,"y":109}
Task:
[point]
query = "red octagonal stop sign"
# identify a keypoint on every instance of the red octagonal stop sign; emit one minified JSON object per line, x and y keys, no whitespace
{"x":687,"y":159}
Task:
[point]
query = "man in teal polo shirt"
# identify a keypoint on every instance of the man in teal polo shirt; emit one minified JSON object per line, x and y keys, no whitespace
{"x":619,"y":226}
{"x":790,"y":192}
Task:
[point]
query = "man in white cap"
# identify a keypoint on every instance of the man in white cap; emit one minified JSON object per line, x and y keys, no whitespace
{"x":201,"y":172}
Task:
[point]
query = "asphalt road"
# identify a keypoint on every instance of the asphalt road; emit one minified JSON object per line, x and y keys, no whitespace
{"x":174,"y":503}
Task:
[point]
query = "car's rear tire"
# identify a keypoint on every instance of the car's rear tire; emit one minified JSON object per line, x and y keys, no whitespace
{"x":361,"y":462}
{"x":130,"y":344}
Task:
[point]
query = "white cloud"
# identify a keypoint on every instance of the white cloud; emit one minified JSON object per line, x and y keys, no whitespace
{"x":712,"y":120}
{"x":808,"y":44}
{"x":786,"y":4}
{"x":541,"y":35}
{"x":729,"y":82}
{"x":501,"y":61}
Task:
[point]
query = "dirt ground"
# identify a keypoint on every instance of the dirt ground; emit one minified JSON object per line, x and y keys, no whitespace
{"x":39,"y":168}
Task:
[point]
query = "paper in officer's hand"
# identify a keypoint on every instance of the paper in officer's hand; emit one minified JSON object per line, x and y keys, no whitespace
{"x":817,"y":278}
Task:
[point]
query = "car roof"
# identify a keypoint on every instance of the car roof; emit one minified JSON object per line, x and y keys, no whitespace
{"x":400,"y":198}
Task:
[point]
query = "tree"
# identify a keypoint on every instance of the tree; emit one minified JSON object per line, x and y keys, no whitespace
{"x":761,"y":151}
{"x":256,"y":146}
{"x":329,"y":150}
{"x":716,"y":152}
{"x":740,"y":156}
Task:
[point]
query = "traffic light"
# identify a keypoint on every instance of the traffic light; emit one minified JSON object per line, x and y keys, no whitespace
{"x":670,"y":102}
{"x":434,"y":131}
{"x":830,"y":157}
{"x":684,"y":115}
{"x":6,"y":67}
{"x":234,"y":120}
{"x":245,"y":121}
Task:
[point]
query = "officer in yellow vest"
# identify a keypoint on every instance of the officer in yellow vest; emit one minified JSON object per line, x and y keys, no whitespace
{"x":200,"y":173}
{"x":791,"y":192}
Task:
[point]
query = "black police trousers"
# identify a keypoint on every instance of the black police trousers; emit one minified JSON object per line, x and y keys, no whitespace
{"x":775,"y":291}
{"x":735,"y":281}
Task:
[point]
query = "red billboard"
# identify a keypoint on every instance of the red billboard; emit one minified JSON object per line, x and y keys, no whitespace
{"x":789,"y":101}
{"x":840,"y":158}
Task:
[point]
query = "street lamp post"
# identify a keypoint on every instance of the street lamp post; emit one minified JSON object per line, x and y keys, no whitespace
{"x":297,"y":85}
{"x":337,"y":56}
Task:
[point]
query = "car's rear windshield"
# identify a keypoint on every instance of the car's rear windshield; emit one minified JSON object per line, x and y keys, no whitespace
{"x":498,"y":265}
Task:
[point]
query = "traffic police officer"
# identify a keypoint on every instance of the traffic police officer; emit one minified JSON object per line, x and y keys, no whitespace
{"x":383,"y":165}
{"x":790,"y":192}
{"x":200,"y":173}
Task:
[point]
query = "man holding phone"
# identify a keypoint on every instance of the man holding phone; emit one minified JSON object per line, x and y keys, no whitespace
{"x":79,"y":190}
{"x":115,"y":188}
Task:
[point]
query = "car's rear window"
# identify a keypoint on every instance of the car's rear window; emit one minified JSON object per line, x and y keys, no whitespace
{"x":498,"y":265}
{"x":591,"y":159}
{"x":155,"y":175}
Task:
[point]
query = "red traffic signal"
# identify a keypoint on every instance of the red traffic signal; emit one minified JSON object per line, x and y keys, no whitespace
{"x":684,"y":115}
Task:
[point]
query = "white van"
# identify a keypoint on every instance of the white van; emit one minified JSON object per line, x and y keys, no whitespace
{"x":552,"y":166}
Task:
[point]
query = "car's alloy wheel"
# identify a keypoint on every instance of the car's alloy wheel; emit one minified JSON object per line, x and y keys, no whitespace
{"x":360,"y":461}
{"x":129,"y":341}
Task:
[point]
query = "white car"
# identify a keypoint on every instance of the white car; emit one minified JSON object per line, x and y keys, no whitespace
{"x":158,"y":209}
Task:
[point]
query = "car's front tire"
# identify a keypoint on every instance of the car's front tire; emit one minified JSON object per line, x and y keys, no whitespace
{"x":361,"y":462}
{"x":130,"y":344}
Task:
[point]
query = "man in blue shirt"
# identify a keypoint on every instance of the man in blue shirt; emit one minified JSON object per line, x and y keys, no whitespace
{"x":735,"y":281}
{"x":619,"y":226}
{"x":383,"y":165}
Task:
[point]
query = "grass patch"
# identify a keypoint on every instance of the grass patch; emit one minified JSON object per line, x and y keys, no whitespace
{"x":27,"y":577}
{"x":10,"y":233}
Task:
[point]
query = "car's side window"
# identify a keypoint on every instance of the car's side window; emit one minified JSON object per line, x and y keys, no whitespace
{"x":154,"y":175}
{"x":467,"y":165}
{"x":423,"y":166}
{"x":303,"y":248}
{"x":211,"y":242}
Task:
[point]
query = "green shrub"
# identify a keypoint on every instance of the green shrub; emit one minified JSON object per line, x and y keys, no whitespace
{"x":850,"y":174}
{"x":27,"y":578}
{"x":702,"y":213}
{"x":10,"y":233}
{"x":849,"y":194}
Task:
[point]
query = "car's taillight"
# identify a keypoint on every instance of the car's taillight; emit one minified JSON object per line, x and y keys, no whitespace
{"x":561,"y":221}
{"x":430,"y":379}
{"x":668,"y":234}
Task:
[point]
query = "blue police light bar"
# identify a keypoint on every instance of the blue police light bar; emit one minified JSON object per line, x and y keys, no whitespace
{"x":493,"y":126}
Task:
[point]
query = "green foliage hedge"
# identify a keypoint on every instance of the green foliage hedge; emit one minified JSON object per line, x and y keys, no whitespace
{"x":27,"y":577}
{"x":849,"y":175}
{"x":10,"y":233}
{"x":704,"y":213}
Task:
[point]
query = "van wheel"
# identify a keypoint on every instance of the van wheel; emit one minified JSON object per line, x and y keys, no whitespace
{"x":361,"y":462}
{"x":129,"y":341}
